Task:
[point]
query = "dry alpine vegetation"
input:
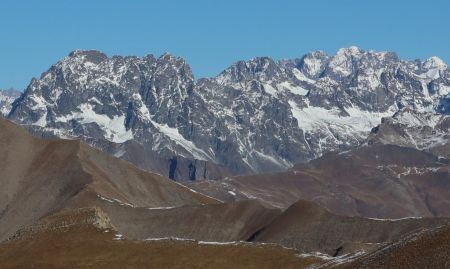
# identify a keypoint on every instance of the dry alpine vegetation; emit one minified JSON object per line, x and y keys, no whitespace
{"x":85,"y":239}
{"x":64,"y":204}
{"x":425,"y":249}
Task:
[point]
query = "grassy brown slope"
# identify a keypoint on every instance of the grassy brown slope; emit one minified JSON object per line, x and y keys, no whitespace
{"x":78,"y":239}
{"x":429,"y":249}
{"x":310,"y":228}
{"x":215,"y":222}
{"x":92,"y":248}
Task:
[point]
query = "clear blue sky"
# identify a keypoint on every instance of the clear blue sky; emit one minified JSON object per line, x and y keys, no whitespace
{"x":210,"y":34}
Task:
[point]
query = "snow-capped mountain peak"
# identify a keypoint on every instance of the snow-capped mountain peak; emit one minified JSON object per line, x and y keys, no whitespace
{"x":350,"y":51}
{"x":313,"y":64}
{"x":435,"y":63}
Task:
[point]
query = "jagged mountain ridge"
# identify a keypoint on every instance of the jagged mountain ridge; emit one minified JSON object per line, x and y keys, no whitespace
{"x":256,"y":116}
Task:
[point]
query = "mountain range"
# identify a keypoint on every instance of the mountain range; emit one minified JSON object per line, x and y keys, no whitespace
{"x":256,"y":116}
{"x":325,"y":161}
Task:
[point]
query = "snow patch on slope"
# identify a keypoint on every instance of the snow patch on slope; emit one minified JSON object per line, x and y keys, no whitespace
{"x":114,"y":128}
{"x":175,"y":136}
{"x":312,"y":118}
{"x":418,"y":120}
{"x":42,"y":121}
{"x":297,"y":90}
{"x":270,"y":90}
{"x":300,"y":76}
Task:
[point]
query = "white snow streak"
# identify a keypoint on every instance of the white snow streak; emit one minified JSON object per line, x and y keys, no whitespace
{"x":114,"y":128}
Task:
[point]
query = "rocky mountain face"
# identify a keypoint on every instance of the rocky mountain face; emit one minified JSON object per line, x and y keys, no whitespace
{"x":256,"y":116}
{"x":7,"y":97}
{"x":420,"y":130}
